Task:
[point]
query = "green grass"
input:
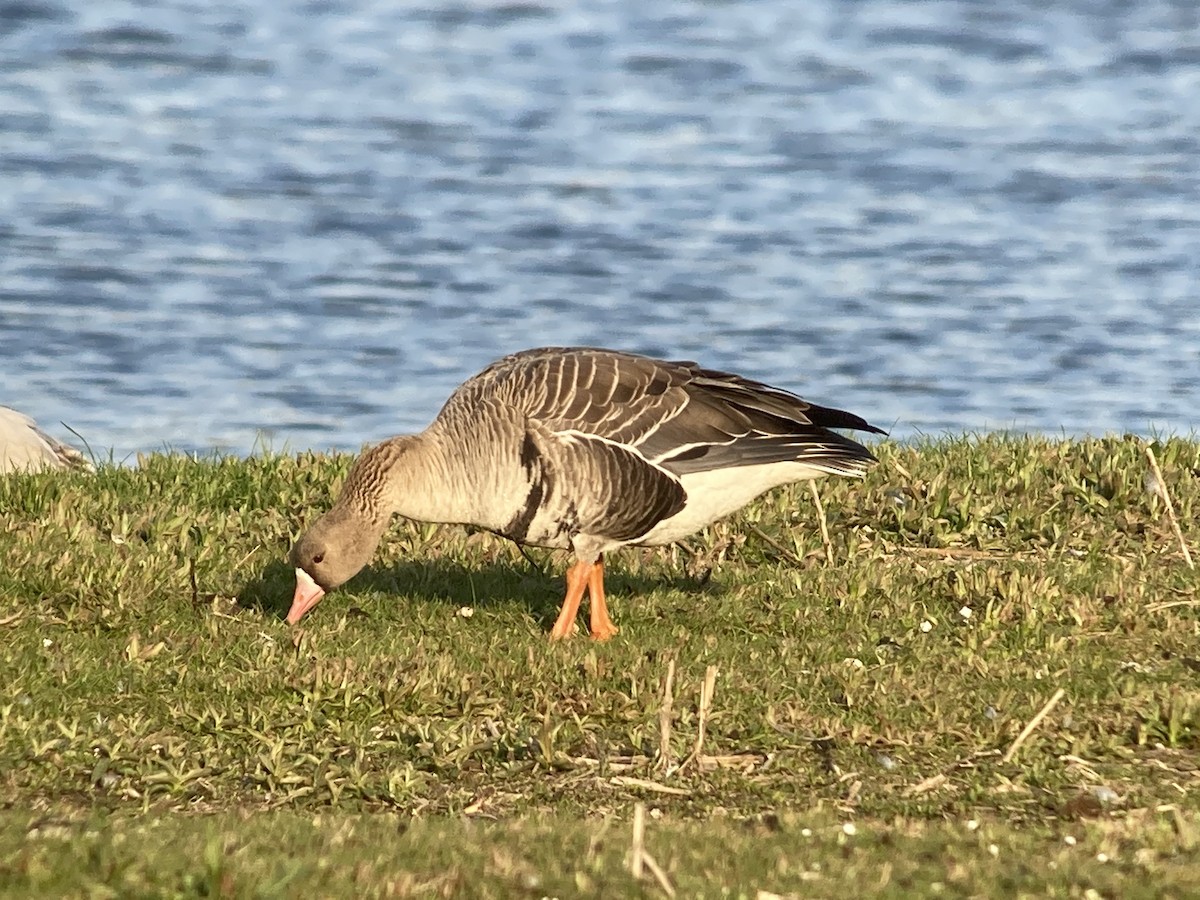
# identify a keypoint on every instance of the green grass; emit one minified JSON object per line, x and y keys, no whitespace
{"x":164,"y":733}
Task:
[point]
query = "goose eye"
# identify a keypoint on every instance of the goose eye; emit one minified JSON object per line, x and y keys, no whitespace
{"x":318,"y":559}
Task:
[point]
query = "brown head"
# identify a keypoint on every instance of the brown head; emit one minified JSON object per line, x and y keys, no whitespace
{"x":343,"y":540}
{"x":329,"y":554}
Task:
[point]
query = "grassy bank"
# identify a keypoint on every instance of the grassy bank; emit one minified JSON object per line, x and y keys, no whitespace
{"x":162,"y":730}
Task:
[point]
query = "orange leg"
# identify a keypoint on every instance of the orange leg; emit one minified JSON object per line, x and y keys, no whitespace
{"x":577,"y":582}
{"x":601,"y":626}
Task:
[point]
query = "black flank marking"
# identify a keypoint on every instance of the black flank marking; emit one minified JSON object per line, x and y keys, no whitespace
{"x":569,"y":523}
{"x":530,"y":457}
{"x":518,"y":526}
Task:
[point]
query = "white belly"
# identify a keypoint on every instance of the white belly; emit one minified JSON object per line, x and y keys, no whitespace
{"x":715,"y":494}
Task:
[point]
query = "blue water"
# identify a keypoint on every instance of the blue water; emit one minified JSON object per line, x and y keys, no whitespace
{"x":231,"y":224}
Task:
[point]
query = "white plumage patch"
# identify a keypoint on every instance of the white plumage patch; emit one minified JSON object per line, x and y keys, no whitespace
{"x":717,"y":493}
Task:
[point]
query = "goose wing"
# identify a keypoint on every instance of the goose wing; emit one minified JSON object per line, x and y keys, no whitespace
{"x":730,"y":421}
{"x":675,"y":415}
{"x":600,"y":487}
{"x":583,"y":414}
{"x":608,"y":436}
{"x":619,"y":397}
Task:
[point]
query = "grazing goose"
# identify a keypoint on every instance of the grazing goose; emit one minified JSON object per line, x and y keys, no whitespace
{"x":26,"y":448}
{"x":581,"y":449}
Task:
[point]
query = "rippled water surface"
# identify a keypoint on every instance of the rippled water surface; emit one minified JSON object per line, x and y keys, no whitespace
{"x":305,"y":223}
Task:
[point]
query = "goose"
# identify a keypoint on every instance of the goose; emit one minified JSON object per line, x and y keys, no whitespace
{"x":26,"y":448}
{"x":582,"y":449}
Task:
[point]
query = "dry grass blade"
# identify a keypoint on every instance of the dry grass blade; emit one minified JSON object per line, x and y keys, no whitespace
{"x":931,"y":783}
{"x":783,"y":551}
{"x":744,"y":761}
{"x":611,"y":763}
{"x":640,"y":860}
{"x":1159,"y":607}
{"x":648,"y":785}
{"x":637,"y":847}
{"x":1033,"y":723}
{"x":659,"y":876}
{"x":706,"y":695}
{"x":664,"y":717}
{"x":1160,"y":488}
{"x":1186,"y":832}
{"x":967,"y":552}
{"x":822,"y":521}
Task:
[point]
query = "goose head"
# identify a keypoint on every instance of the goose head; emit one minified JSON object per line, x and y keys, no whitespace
{"x":329,"y":554}
{"x":384,"y":480}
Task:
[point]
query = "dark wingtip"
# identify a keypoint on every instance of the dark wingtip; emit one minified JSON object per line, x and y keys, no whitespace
{"x":827,"y":417}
